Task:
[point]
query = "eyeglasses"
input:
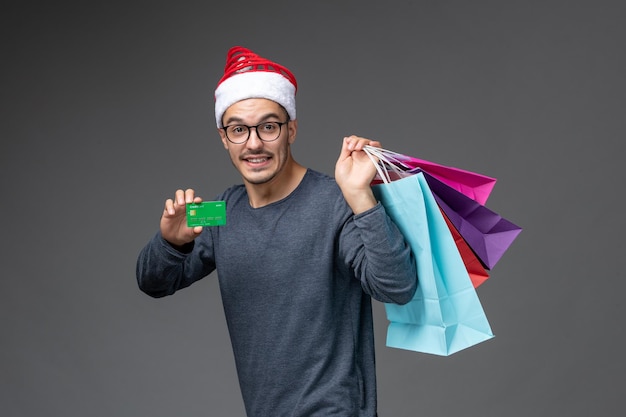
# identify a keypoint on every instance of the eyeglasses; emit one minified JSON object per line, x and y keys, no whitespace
{"x":266,"y":131}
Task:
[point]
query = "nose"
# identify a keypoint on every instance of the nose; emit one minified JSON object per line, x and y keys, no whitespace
{"x":254,"y":141}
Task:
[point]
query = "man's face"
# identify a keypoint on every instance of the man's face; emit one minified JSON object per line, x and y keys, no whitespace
{"x":257,"y":161}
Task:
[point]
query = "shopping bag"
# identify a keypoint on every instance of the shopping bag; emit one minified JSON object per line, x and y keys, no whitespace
{"x":477,"y":272}
{"x":472,"y":184}
{"x":488,"y":233}
{"x":445,"y":315}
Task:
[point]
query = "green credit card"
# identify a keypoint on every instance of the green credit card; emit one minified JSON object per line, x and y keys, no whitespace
{"x":206,"y":213}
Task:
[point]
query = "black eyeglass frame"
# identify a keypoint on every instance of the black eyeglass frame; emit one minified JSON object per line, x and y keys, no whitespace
{"x":280,"y":130}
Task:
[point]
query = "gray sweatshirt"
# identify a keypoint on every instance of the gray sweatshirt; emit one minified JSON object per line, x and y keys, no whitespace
{"x":296,"y":278}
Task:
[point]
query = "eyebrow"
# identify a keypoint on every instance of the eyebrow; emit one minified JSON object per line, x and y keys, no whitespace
{"x":235,"y":119}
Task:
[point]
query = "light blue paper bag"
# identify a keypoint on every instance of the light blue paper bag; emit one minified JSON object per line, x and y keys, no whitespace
{"x":445,"y":315}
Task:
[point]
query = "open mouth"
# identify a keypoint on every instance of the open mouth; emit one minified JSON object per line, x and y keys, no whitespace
{"x":257,"y":160}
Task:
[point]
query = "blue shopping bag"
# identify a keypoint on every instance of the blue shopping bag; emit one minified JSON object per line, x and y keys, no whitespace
{"x":445,"y":315}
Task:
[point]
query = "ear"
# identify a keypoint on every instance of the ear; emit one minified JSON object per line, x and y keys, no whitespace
{"x":223,"y":137}
{"x":293,"y":129}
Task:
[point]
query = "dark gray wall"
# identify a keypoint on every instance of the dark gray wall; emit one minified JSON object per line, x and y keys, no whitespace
{"x":107,"y":108}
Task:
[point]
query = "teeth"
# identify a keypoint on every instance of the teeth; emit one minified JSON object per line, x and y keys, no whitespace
{"x":257,"y":160}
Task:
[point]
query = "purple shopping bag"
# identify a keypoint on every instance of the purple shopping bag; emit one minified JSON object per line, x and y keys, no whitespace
{"x":485,"y":231}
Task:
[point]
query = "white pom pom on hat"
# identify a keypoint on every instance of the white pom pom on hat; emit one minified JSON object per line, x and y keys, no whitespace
{"x":247,"y":75}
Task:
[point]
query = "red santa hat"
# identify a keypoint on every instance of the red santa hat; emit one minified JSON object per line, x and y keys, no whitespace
{"x":247,"y":75}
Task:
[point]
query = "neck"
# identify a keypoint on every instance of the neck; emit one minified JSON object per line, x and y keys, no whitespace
{"x":278,"y":187}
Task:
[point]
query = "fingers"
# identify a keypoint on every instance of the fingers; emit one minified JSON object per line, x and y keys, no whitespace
{"x":181,"y":197}
{"x":173,"y":225}
{"x":356,"y":143}
{"x":169,"y":207}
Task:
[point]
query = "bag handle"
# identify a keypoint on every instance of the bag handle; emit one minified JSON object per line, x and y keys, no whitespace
{"x":385,"y":162}
{"x":376,"y":160}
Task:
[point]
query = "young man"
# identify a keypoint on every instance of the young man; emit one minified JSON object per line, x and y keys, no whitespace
{"x":298,"y":260}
